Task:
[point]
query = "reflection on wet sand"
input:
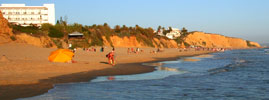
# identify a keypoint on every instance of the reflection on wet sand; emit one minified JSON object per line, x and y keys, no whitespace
{"x":191,"y":59}
{"x":153,"y":64}
{"x":160,"y":67}
{"x":111,"y":78}
{"x":167,"y":69}
{"x":205,"y":56}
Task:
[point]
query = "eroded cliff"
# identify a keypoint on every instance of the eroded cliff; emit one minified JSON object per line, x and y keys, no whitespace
{"x":5,"y":30}
{"x":133,"y":42}
{"x":194,"y":38}
{"x":214,"y":40}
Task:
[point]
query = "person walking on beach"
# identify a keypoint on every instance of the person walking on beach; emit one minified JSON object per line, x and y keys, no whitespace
{"x":111,"y":57}
{"x":102,"y":49}
{"x":128,"y":51}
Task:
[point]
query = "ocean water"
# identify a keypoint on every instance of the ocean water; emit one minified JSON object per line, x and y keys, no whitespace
{"x":231,"y":75}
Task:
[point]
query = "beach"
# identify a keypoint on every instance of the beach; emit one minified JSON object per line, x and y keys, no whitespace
{"x":27,"y":72}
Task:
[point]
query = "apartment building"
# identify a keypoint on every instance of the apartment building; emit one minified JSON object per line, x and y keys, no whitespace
{"x":28,"y":15}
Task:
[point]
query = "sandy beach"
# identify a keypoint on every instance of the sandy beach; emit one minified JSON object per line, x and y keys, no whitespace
{"x":27,"y":72}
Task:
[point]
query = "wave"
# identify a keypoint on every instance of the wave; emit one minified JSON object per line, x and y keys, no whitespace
{"x":237,"y":63}
{"x":167,"y":69}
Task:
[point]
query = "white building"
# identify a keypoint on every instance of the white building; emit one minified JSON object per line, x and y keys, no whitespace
{"x":174,"y":33}
{"x":26,"y":15}
{"x":160,"y":32}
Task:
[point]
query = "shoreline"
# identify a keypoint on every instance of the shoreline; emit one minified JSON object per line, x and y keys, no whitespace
{"x":19,"y":86}
{"x":30,"y":90}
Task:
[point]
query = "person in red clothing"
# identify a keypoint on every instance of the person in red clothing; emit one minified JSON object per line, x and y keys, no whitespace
{"x":111,"y":57}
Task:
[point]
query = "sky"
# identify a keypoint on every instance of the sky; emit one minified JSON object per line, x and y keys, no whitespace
{"x":247,"y":19}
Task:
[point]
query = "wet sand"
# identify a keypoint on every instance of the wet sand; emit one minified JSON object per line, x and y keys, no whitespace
{"x":27,"y":72}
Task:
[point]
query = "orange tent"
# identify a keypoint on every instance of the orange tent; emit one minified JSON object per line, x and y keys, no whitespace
{"x":61,"y":55}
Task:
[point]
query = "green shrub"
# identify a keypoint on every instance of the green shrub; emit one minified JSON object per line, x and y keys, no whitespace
{"x":27,"y":29}
{"x":53,"y":32}
{"x":145,"y":40}
{"x":13,"y":38}
{"x":204,"y":43}
{"x":186,"y":44}
{"x":58,"y":43}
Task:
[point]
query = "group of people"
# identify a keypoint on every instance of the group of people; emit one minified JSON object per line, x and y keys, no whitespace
{"x":131,"y":50}
{"x":156,"y":51}
{"x":203,"y":49}
{"x":102,"y":49}
{"x":111,"y":55}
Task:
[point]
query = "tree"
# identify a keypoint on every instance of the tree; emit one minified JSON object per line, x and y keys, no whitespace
{"x":184,"y":30}
{"x":46,"y":27}
{"x":53,"y":32}
{"x":159,"y":28}
{"x":105,"y":24}
{"x":65,"y":20}
{"x":117,"y":29}
{"x":170,"y":29}
{"x":61,"y":20}
{"x":58,"y":22}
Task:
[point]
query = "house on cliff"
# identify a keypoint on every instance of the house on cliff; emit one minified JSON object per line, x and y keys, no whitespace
{"x":172,"y":34}
{"x":75,"y":35}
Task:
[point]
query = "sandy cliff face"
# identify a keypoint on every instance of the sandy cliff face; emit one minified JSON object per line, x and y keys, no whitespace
{"x":255,"y":43}
{"x":132,"y":42}
{"x":42,"y":41}
{"x":165,"y":43}
{"x":123,"y":42}
{"x":5,"y":30}
{"x":214,"y":40}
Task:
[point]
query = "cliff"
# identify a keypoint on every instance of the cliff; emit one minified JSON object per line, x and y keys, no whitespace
{"x":214,"y":40}
{"x":133,"y":42}
{"x":41,"y":41}
{"x":5,"y":30}
{"x":194,"y":38}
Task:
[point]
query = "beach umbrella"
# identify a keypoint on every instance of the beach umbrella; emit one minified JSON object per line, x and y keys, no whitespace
{"x":61,"y":55}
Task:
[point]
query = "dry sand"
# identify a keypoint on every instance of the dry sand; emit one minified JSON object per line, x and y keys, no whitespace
{"x":25,"y":70}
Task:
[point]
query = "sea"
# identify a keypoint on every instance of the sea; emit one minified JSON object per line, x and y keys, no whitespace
{"x":229,"y":75}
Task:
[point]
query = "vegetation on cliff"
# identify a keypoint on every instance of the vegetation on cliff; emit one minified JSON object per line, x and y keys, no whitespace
{"x":92,"y":34}
{"x":100,"y":35}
